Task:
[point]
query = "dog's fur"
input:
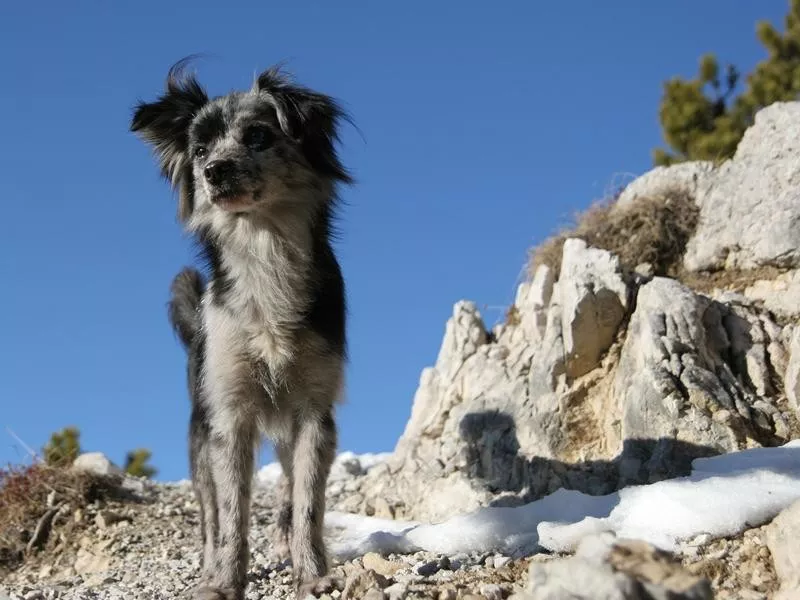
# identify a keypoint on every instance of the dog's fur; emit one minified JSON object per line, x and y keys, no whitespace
{"x":257,"y":174}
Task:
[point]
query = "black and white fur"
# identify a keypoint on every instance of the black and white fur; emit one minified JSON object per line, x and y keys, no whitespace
{"x":257,"y":173}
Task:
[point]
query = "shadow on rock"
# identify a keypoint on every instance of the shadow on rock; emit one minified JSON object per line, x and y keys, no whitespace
{"x":492,"y":456}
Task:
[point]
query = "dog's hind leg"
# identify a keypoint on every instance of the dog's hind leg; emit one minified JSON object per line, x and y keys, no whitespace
{"x":314,"y":449}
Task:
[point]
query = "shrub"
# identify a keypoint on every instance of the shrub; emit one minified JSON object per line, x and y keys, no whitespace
{"x":651,"y":230}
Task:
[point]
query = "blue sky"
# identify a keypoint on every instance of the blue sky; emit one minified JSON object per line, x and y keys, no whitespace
{"x":483,"y":127}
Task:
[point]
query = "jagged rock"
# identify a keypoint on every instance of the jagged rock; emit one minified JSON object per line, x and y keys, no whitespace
{"x":673,"y":379}
{"x":594,"y":301}
{"x":550,"y":403}
{"x":783,"y":540}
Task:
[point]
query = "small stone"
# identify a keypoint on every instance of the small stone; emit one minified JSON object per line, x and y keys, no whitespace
{"x":426,"y":569}
{"x":96,"y":463}
{"x":448,"y":594}
{"x":377,"y":563}
{"x":501,"y":561}
{"x":396,"y":591}
{"x":106,"y":518}
{"x":700,"y":540}
{"x":492,"y":591}
{"x":360,"y":582}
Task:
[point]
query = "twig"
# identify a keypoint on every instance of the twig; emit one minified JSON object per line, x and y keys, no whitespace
{"x":25,"y":446}
{"x":42,"y":531}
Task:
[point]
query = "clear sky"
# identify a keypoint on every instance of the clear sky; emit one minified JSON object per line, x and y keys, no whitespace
{"x":483,"y":127}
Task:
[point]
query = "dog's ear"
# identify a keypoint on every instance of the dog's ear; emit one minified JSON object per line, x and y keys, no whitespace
{"x":164,"y":124}
{"x":309,"y":118}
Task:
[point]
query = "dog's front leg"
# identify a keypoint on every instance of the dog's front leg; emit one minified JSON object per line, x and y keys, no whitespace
{"x":231,"y":453}
{"x":282,"y":542}
{"x":315,"y":447}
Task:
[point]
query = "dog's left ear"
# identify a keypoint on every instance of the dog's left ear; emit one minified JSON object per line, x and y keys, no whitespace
{"x":164,"y":124}
{"x":309,"y":118}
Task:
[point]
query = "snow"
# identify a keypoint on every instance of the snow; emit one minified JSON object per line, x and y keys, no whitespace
{"x":722,"y":496}
{"x":345,"y":465}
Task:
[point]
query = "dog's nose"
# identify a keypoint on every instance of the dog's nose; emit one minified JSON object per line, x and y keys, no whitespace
{"x":219,"y":170}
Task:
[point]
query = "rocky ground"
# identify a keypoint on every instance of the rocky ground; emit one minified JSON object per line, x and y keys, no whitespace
{"x":146,"y":547}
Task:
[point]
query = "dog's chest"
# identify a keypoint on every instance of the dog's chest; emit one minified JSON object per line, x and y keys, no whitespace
{"x":267,"y":295}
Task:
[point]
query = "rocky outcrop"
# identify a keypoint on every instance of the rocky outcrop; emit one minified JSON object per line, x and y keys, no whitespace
{"x":596,"y":381}
{"x":749,"y":204}
{"x":602,"y":377}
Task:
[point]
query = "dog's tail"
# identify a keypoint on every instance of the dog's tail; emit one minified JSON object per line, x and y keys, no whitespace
{"x":186,"y":292}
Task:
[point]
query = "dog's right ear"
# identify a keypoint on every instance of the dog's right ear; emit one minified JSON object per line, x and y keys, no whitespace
{"x":164,"y":124}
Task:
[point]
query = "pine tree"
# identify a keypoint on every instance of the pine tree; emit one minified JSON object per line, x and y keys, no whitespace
{"x":703,"y":119}
{"x":136,"y":463}
{"x":63,"y":447}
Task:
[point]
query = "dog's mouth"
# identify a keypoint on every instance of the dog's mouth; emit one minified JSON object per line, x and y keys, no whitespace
{"x":237,"y":202}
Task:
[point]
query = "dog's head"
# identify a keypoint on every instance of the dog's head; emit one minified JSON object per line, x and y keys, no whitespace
{"x":247,"y":154}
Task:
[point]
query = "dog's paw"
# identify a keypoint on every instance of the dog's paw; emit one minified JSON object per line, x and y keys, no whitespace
{"x":206,"y":592}
{"x":318,"y":586}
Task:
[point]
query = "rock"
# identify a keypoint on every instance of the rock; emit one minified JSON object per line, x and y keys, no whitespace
{"x":688,"y":177}
{"x":360,"y":582}
{"x":658,"y":571}
{"x":783,"y":540}
{"x":749,"y":209}
{"x":492,"y":591}
{"x":792,"y":378}
{"x":375,"y":562}
{"x":680,"y":368}
{"x":749,"y":217}
{"x":89,"y":561}
{"x":383,"y":509}
{"x":106,"y":518}
{"x":594,"y":301}
{"x":780,"y":295}
{"x":426,"y":569}
{"x":602,"y":570}
{"x":96,"y":463}
{"x":396,"y":591}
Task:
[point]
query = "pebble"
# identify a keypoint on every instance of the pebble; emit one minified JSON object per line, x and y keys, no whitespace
{"x":427,"y":569}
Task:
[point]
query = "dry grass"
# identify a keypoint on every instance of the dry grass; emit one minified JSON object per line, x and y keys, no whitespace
{"x":729,"y":279}
{"x":30,"y":499}
{"x":650,"y":230}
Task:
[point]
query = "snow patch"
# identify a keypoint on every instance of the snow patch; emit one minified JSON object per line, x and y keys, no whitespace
{"x":723,"y":496}
{"x":345,"y":465}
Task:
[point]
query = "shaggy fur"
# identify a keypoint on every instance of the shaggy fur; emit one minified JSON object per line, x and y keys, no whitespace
{"x":257,"y":174}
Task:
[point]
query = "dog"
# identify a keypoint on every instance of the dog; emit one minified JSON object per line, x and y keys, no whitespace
{"x":257,"y":175}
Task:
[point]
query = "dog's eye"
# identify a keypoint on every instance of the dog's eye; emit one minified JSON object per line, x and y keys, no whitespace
{"x":257,"y":138}
{"x":200,"y":152}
